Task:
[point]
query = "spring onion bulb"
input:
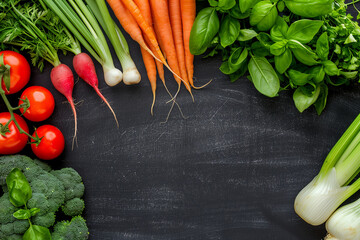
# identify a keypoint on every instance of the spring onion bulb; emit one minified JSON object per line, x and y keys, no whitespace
{"x":330,"y":188}
{"x":81,"y":22}
{"x":131,"y":75}
{"x":330,"y":237}
{"x":344,"y":224}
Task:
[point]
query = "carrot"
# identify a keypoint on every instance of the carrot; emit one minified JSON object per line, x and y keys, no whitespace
{"x":177,"y":31}
{"x":84,"y":67}
{"x":146,"y":28}
{"x":128,"y":22}
{"x":150,"y":66}
{"x":188,"y":14}
{"x":145,"y":10}
{"x":161,"y":19}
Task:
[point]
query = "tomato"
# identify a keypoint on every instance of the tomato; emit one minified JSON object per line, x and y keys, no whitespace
{"x":14,"y":141}
{"x":19,"y":71}
{"x":42,"y":103}
{"x":52,"y":144}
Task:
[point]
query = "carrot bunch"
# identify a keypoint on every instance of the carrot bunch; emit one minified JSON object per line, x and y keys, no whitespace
{"x":162,"y":28}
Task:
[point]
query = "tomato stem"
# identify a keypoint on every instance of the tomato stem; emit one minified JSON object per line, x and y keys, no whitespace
{"x":12,"y":118}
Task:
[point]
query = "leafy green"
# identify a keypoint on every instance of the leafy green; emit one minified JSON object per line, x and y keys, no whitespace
{"x":311,"y":45}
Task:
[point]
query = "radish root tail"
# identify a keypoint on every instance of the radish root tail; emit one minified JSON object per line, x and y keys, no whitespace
{"x":71,"y":101}
{"x":108,"y":104}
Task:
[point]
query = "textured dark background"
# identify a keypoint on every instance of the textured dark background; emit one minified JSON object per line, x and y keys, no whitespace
{"x":230,"y":171}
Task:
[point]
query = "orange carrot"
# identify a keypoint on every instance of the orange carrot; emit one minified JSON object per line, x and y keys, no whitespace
{"x":145,"y":27}
{"x":177,"y":31}
{"x":128,"y":22}
{"x":188,"y":12}
{"x":150,"y":66}
{"x":145,"y":10}
{"x":161,"y":20}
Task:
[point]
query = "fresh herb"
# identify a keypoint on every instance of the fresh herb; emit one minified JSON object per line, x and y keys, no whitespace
{"x":278,"y":40}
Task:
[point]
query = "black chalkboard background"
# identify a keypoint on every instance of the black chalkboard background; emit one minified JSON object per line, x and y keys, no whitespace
{"x":230,"y":171}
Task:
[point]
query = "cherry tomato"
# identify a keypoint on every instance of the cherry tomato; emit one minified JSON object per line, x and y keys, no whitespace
{"x":19,"y":71}
{"x":52,"y":144}
{"x":14,"y":141}
{"x":42,"y":103}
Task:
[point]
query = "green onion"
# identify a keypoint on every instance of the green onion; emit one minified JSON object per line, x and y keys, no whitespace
{"x":81,"y":22}
{"x":130,"y":73}
{"x":344,"y":224}
{"x":330,"y":188}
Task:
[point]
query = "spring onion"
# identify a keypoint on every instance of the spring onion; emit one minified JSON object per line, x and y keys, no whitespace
{"x":344,"y":224}
{"x":83,"y":25}
{"x":130,"y":73}
{"x":331,"y":187}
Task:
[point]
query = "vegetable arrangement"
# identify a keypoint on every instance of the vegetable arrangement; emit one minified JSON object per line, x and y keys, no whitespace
{"x":162,"y":28}
{"x":301,"y":45}
{"x":33,"y":193}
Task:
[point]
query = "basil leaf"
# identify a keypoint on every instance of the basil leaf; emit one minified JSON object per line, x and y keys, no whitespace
{"x":310,"y":8}
{"x":318,"y":73}
{"x":303,"y":54}
{"x":304,"y":30}
{"x":236,"y":13}
{"x":34,"y":211}
{"x":322,"y":46}
{"x":222,"y":4}
{"x":239,"y":73}
{"x":229,"y":31}
{"x":279,"y":30}
{"x":322,"y":99}
{"x":245,"y":5}
{"x":302,"y":101}
{"x":259,"y":50}
{"x":22,"y":214}
{"x":204,"y":29}
{"x":265,"y":40}
{"x":299,"y":78}
{"x":278,"y":48}
{"x":19,"y":188}
{"x":330,"y":68}
{"x":263,"y":76}
{"x":281,"y":6}
{"x":36,"y":232}
{"x":283,"y":62}
{"x":237,"y":58}
{"x":246,"y":35}
{"x":263,"y":15}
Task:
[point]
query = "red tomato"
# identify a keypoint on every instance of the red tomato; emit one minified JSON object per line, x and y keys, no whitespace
{"x":19,"y":71}
{"x":52,"y":144}
{"x":42,"y":103}
{"x":14,"y":141}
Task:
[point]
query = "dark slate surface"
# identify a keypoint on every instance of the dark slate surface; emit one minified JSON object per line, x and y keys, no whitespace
{"x":230,"y":171}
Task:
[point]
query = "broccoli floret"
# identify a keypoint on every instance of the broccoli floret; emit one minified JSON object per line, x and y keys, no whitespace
{"x":46,"y":220}
{"x":76,"y":229}
{"x":73,"y":207}
{"x":14,"y":237}
{"x":6,"y":209}
{"x":20,"y":226}
{"x":72,"y":182}
{"x":50,"y":190}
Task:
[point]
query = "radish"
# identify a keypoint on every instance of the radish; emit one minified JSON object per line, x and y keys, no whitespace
{"x":85,"y":68}
{"x":63,"y":80}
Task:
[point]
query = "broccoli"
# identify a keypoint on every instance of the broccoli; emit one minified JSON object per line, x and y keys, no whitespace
{"x":50,"y":191}
{"x":76,"y":229}
{"x":73,"y":207}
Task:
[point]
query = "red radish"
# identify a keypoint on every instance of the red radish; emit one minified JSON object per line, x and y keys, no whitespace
{"x":84,"y":67}
{"x":63,"y":80}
